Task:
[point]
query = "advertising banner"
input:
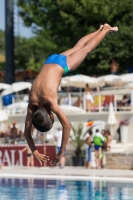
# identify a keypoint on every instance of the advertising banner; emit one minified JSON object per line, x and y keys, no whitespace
{"x":10,"y":155}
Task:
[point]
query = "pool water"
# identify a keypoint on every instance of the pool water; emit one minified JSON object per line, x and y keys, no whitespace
{"x":33,"y":189}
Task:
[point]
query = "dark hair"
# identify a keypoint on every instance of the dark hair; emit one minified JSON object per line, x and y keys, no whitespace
{"x":90,"y":132}
{"x":108,"y":132}
{"x":87,"y":85}
{"x":41,"y":120}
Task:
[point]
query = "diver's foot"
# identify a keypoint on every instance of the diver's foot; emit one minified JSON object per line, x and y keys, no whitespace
{"x":109,"y":29}
{"x":101,"y":27}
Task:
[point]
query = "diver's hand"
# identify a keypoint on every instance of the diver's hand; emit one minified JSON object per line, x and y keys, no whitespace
{"x":40,"y":157}
{"x":57,"y":158}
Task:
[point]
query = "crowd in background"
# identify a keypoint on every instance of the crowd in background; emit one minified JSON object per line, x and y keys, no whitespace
{"x":92,"y":100}
{"x":99,"y":142}
{"x":13,"y":134}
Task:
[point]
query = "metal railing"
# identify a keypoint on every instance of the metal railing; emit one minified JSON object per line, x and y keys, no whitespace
{"x":101,"y":99}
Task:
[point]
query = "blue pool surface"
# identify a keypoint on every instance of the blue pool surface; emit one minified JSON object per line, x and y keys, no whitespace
{"x":33,"y":189}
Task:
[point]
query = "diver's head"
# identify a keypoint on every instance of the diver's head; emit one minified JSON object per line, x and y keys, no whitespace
{"x":41,"y":120}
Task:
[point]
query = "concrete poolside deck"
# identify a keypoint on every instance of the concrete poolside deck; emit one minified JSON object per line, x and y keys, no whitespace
{"x":67,"y":172}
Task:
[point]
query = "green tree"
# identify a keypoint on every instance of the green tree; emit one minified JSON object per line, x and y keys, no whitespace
{"x":28,"y":54}
{"x":58,"y":25}
{"x":2,"y":50}
{"x":2,"y":42}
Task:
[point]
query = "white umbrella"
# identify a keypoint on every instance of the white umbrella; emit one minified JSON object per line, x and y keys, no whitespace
{"x":66,"y":108}
{"x":110,"y":79}
{"x":81,"y":80}
{"x":64,"y":83}
{"x":16,"y":87}
{"x":127,"y":78}
{"x":71,"y":109}
{"x":3,"y":116}
{"x":18,"y":105}
{"x":4,"y":86}
{"x":111,"y":118}
{"x":130,"y":85}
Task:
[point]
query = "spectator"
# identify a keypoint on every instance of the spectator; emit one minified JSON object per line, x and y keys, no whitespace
{"x":114,"y":65}
{"x":21,"y":135}
{"x":119,"y":134}
{"x":109,"y":139}
{"x":7,"y":133}
{"x":104,"y":147}
{"x":88,"y":141}
{"x":30,"y":157}
{"x":78,"y":102}
{"x":98,"y":140}
{"x":14,"y":124}
{"x":14,"y":131}
{"x":58,"y":138}
{"x":88,"y":97}
{"x":125,"y":101}
{"x":2,"y":134}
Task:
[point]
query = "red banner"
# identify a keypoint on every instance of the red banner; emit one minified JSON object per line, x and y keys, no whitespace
{"x":10,"y":155}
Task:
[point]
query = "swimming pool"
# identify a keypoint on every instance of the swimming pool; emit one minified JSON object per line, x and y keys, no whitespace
{"x":33,"y":189}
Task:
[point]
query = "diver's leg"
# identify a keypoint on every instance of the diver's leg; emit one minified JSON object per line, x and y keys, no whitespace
{"x":82,"y":42}
{"x":76,"y":58}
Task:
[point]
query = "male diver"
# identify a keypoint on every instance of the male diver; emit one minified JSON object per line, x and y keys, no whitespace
{"x":43,"y":94}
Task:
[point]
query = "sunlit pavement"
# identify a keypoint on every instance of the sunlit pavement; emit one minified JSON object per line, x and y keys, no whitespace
{"x":66,"y":171}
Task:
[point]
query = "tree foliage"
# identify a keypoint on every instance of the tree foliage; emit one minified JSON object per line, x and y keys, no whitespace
{"x":77,"y":140}
{"x":2,"y":42}
{"x":78,"y":136}
{"x":27,"y":53}
{"x":2,"y":50}
{"x":59,"y":24}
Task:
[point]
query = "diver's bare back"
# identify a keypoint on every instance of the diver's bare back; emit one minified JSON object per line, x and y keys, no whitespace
{"x":46,"y":85}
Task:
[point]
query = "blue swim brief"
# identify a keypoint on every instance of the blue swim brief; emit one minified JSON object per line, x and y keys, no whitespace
{"x":58,"y":59}
{"x":97,"y":147}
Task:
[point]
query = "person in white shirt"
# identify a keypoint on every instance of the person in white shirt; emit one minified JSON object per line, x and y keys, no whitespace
{"x":58,"y":139}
